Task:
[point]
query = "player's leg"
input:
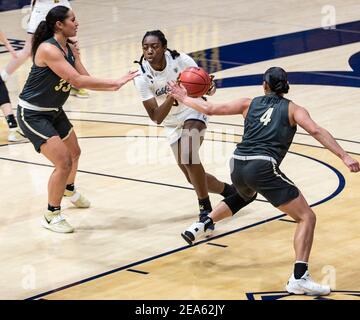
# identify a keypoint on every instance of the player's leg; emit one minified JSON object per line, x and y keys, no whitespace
{"x":214,"y":185}
{"x":190,"y":143}
{"x":75,"y":196}
{"x":300,"y":281}
{"x":39,"y":129}
{"x":15,"y":134}
{"x":300,"y":211}
{"x":69,"y":138}
{"x":58,"y":154}
{"x":281,"y":192}
{"x":226,"y":208}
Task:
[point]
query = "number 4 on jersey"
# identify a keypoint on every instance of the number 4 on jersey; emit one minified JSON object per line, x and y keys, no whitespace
{"x":266,"y":117}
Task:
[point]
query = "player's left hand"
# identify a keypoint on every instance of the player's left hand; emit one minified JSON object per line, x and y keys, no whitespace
{"x":212,"y":89}
{"x":177,"y":91}
{"x":74,"y":45}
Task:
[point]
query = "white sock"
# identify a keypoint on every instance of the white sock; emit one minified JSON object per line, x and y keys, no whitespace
{"x":4,"y":75}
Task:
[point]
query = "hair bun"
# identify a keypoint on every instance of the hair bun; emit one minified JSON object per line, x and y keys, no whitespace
{"x":281,"y":87}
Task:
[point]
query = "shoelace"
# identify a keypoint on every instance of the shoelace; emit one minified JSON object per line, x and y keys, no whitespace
{"x":58,"y":218}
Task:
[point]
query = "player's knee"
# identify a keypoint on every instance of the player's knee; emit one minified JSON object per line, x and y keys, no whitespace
{"x":235,"y":202}
{"x":308,"y":217}
{"x":76,"y":154}
{"x":64,"y":163}
{"x":311,"y":218}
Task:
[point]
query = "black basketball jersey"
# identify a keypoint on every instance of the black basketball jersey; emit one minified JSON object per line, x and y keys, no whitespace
{"x":44,"y":88}
{"x":267,"y":129}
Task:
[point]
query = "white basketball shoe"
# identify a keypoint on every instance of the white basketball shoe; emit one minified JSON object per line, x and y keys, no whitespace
{"x":195,"y":231}
{"x":54,"y":221}
{"x":307,"y":286}
{"x":77,"y":199}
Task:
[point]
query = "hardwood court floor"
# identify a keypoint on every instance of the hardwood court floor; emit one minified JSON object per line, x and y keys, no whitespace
{"x":140,"y":200}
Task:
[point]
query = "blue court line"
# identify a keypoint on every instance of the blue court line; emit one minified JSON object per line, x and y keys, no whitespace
{"x":288,"y":220}
{"x":216,"y":245}
{"x":274,"y":47}
{"x":334,"y":194}
{"x":137,"y":271}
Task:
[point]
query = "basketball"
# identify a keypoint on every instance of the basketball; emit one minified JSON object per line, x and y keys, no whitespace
{"x":196,"y":81}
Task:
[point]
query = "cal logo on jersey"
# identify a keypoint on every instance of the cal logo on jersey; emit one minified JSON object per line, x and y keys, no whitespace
{"x":161,"y":91}
{"x":282,"y":295}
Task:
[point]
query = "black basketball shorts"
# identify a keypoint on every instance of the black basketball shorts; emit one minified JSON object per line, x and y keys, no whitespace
{"x":39,"y":126}
{"x":264,"y":177}
{"x":4,"y":93}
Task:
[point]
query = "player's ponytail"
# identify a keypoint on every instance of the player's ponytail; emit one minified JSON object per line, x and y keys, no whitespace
{"x":46,"y":28}
{"x":140,"y":63}
{"x":276,"y":78}
{"x":174,"y":54}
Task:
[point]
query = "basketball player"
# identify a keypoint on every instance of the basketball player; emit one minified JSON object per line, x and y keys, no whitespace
{"x":270,"y":125}
{"x":39,"y":10}
{"x":184,"y":127}
{"x":56,"y":67}
{"x":15,"y":134}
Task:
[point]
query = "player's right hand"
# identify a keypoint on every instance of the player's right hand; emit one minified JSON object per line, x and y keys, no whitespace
{"x":177,"y":91}
{"x":351,"y":163}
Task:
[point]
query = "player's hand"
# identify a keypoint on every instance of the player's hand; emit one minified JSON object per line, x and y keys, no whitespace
{"x":351,"y":163}
{"x":128,"y":77}
{"x":177,"y":91}
{"x":74,"y":45}
{"x":212,"y":89}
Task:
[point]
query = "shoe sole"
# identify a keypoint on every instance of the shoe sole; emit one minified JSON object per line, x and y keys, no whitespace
{"x":187,"y":239}
{"x":78,"y":96}
{"x":305,"y":293}
{"x":46,"y":226}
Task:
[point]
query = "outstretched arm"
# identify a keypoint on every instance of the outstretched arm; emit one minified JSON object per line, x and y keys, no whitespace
{"x":238,"y":106}
{"x":301,"y":116}
{"x":50,"y":56}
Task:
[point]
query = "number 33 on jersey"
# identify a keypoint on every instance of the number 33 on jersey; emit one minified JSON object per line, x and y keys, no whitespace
{"x":61,"y":86}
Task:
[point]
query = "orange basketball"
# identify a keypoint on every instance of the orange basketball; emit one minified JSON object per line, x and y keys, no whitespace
{"x":196,"y":81}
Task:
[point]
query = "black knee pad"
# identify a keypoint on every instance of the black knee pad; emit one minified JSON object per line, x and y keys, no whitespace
{"x":235,"y":202}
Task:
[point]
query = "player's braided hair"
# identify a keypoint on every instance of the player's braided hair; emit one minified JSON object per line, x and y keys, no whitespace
{"x":163,"y":40}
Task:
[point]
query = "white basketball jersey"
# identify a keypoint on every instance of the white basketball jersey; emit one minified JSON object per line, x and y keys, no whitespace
{"x":153,"y":84}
